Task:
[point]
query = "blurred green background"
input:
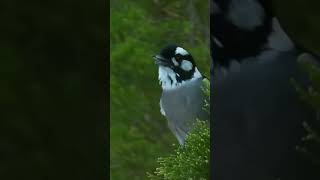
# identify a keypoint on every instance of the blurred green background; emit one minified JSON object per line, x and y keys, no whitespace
{"x":138,"y":132}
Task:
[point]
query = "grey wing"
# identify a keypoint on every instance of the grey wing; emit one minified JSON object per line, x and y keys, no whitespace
{"x":175,"y":115}
{"x":182,"y":109}
{"x":179,"y":132}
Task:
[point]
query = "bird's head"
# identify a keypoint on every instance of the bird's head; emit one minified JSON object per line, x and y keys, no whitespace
{"x":176,"y":67}
{"x":243,"y":29}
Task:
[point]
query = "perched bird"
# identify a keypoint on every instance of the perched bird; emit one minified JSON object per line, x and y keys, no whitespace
{"x":257,"y":113}
{"x":182,"y":96}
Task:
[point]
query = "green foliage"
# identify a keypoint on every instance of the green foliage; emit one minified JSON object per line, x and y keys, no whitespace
{"x":311,"y":96}
{"x":138,"y":132}
{"x":310,"y":150}
{"x":189,"y":161}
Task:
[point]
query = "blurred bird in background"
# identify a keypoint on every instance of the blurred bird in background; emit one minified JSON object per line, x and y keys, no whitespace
{"x":182,"y":98}
{"x":257,"y":114}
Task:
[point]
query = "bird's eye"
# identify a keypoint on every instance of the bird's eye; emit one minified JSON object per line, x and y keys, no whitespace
{"x":178,"y":57}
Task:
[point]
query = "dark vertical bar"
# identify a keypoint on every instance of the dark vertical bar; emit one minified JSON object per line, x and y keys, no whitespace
{"x":256,"y":113}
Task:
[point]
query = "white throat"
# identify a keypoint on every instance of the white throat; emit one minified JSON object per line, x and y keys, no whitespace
{"x":168,"y":81}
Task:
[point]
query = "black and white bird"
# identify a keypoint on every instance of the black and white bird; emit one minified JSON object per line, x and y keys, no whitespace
{"x":257,"y":114}
{"x":182,"y":98}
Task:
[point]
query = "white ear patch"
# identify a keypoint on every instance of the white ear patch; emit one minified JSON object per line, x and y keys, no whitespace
{"x":246,"y":14}
{"x":186,"y":65}
{"x":174,"y":61}
{"x":181,"y":51}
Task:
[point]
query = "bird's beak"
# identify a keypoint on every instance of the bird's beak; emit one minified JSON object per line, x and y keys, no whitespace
{"x":160,"y":60}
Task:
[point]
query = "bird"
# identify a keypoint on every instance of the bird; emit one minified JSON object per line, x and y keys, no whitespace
{"x":257,"y":114}
{"x":182,"y":97}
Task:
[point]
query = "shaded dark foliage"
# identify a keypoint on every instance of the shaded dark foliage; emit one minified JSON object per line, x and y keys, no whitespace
{"x":310,"y":147}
